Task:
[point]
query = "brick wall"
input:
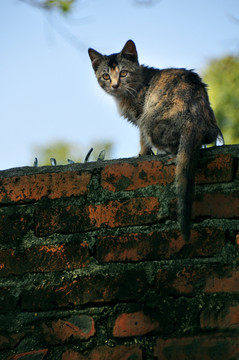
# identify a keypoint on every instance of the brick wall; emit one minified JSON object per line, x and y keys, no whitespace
{"x":93,"y":265}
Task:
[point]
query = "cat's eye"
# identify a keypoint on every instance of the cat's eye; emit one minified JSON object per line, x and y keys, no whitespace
{"x":123,"y":73}
{"x":106,"y":76}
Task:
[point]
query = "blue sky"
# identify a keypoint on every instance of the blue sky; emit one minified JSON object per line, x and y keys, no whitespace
{"x":48,"y":91}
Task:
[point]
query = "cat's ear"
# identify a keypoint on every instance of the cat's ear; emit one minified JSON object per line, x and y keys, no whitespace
{"x":96,"y":58}
{"x":129,"y":51}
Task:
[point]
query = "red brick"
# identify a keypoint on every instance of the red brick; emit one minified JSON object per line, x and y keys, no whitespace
{"x":134,"y":211}
{"x":31,"y":355}
{"x":72,"y":355}
{"x":138,"y":246}
{"x":36,"y":186}
{"x":189,"y":280}
{"x":158,"y":245}
{"x":9,"y":341}
{"x":45,"y":258}
{"x":133,"y":324}
{"x":237,"y":239}
{"x":14,"y":224}
{"x":216,"y":205}
{"x":76,"y":327}
{"x":205,"y":347}
{"x":226,"y":281}
{"x":64,"y":219}
{"x":237,"y":168}
{"x":126,"y":176}
{"x":179,"y":281}
{"x":119,"y":352}
{"x":206,"y":242}
{"x":8,"y":300}
{"x":131,"y":284}
{"x":73,"y":219}
{"x":226,"y":318}
{"x":215,"y":170}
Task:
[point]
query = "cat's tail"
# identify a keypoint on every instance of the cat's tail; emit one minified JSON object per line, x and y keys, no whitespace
{"x":187,"y":159}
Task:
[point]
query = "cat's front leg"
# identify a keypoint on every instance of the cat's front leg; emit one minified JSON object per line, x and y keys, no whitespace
{"x":145,"y":148}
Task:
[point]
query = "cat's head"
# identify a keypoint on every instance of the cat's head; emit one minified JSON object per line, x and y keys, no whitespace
{"x":118,"y":74}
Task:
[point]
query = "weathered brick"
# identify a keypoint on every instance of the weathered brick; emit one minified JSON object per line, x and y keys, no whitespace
{"x":36,"y":186}
{"x":224,"y":318}
{"x":121,"y":352}
{"x":30,"y":355}
{"x":178,"y":281}
{"x":8,"y":300}
{"x":225,"y":280}
{"x":167,"y":244}
{"x":14,"y":224}
{"x":74,"y":328}
{"x":45,"y":258}
{"x":128,"y":285}
{"x":204,"y":347}
{"x":126,"y":176}
{"x":64,"y":219}
{"x":216,"y":205}
{"x":134,"y":324}
{"x":237,"y":167}
{"x":215,"y":170}
{"x":237,"y":239}
{"x":72,"y":355}
{"x":138,"y":246}
{"x":189,"y":280}
{"x":10,"y":341}
{"x":173,"y":290}
{"x":206,"y":242}
{"x":73,"y":219}
{"x":134,"y":211}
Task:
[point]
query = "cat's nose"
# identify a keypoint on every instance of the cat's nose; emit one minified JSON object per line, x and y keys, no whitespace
{"x":115,"y":86}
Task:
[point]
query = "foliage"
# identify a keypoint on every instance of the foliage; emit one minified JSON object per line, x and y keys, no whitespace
{"x":62,"y":151}
{"x":62,"y":5}
{"x":222,"y":77}
{"x":66,"y":5}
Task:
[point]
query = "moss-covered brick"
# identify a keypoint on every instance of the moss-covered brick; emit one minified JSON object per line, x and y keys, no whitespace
{"x":77,"y":327}
{"x":122,"y":352}
{"x":44,"y":258}
{"x":190,"y":280}
{"x":206,"y":347}
{"x":9,"y":340}
{"x":93,"y":264}
{"x":97,"y":288}
{"x":221,"y":315}
{"x":125,"y":176}
{"x":156,"y":245}
{"x":8,"y":299}
{"x":216,"y":169}
{"x":73,"y":219}
{"x":216,"y":204}
{"x":30,"y":355}
{"x":28,"y":188}
{"x":133,"y":324}
{"x":15,"y":223}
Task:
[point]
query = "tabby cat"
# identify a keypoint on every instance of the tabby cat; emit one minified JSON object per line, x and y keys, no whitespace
{"x":171,"y":109}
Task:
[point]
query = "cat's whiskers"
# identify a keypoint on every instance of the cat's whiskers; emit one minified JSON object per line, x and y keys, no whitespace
{"x":131,"y":91}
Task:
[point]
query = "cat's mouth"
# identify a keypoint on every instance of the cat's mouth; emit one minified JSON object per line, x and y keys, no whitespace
{"x":116,"y":91}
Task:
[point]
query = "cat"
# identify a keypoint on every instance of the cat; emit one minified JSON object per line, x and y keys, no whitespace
{"x":171,"y":109}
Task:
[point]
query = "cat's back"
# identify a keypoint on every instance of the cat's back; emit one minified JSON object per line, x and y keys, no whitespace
{"x":175,"y":81}
{"x":174,"y":87}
